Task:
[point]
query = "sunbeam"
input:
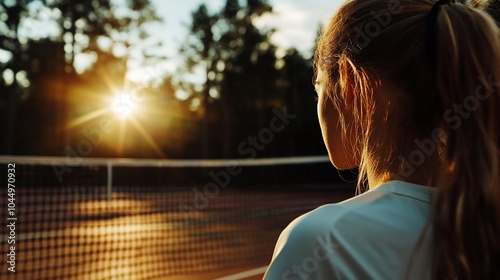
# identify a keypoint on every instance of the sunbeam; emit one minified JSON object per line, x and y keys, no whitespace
{"x":87,"y":117}
{"x":121,"y":137}
{"x":147,"y":137}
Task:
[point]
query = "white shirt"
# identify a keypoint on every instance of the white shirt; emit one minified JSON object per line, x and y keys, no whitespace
{"x":371,"y":236}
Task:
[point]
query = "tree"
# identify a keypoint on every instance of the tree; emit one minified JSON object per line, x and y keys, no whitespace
{"x":238,"y":63}
{"x":12,"y":79}
{"x":199,"y":52}
{"x":45,"y":70}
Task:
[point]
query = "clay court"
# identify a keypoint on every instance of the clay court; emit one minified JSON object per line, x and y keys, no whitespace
{"x":70,"y":233}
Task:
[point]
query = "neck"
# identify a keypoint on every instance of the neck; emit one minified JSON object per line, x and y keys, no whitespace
{"x":375,"y":178}
{"x":375,"y":181}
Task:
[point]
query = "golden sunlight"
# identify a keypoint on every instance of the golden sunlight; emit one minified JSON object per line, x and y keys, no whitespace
{"x":124,"y":105}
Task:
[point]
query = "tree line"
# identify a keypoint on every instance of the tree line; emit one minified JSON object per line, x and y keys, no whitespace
{"x":48,"y":105}
{"x":47,"y":102}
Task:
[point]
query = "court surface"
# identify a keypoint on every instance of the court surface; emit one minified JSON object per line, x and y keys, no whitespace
{"x":77,"y":234}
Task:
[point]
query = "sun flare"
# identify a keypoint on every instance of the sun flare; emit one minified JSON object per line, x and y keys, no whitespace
{"x":124,"y":105}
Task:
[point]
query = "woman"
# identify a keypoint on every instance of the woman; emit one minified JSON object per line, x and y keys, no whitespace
{"x":408,"y":92}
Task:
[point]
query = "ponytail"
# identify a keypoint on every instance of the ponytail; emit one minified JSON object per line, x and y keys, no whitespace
{"x":467,"y":208}
{"x":451,"y":86}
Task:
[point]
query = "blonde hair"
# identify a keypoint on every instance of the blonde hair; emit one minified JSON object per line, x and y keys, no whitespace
{"x":440,"y":124}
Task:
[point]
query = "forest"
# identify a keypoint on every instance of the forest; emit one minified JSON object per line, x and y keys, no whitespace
{"x":49,"y":106}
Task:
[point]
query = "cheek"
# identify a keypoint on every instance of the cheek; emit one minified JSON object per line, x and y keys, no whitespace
{"x":334,"y":137}
{"x":321,"y":113}
{"x":328,"y":120}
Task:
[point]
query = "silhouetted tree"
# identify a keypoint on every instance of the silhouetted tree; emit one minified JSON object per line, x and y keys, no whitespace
{"x":12,"y":78}
{"x":245,"y":80}
{"x":199,"y":52}
{"x":44,"y":69}
{"x":238,"y":62}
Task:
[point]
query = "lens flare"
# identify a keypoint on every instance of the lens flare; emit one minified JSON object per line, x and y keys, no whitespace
{"x":124,"y":105}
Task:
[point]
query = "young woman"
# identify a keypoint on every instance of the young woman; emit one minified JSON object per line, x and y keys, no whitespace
{"x":409,"y":92}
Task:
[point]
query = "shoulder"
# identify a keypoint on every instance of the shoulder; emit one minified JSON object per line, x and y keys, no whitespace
{"x":394,"y":206}
{"x":329,"y":217}
{"x":333,"y":238}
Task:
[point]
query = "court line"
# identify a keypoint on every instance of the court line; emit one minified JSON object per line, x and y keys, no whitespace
{"x":245,"y":274}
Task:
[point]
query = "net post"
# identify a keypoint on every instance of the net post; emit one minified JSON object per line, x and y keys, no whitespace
{"x":110,"y":179}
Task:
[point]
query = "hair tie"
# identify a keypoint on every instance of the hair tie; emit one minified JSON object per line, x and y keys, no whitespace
{"x":431,"y":37}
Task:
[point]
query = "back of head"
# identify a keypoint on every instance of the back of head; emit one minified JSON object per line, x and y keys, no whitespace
{"x":441,"y":121}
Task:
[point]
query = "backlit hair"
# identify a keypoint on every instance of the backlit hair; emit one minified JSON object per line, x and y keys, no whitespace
{"x":439,"y":124}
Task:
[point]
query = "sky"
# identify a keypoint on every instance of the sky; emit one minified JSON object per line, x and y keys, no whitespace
{"x":296,"y":22}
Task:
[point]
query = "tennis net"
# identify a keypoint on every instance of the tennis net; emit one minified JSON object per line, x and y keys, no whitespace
{"x":148,"y":219}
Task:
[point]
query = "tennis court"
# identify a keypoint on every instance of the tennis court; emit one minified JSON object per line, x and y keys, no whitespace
{"x":150,"y":226}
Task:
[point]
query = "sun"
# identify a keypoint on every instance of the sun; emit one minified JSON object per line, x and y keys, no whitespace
{"x":124,"y":105}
